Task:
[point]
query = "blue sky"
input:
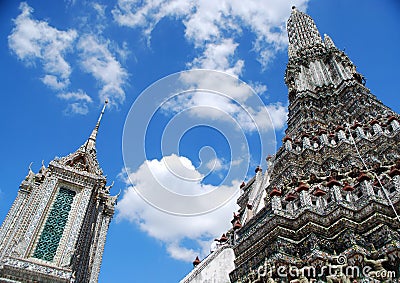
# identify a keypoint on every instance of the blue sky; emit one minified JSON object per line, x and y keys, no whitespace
{"x":61,"y":59}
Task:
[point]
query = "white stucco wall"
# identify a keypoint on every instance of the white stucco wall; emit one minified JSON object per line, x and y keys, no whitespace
{"x":215,"y":268}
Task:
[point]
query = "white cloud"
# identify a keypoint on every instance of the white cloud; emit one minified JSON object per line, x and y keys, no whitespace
{"x":78,"y":95}
{"x":173,"y":230}
{"x":237,"y":162}
{"x":36,"y":42}
{"x":248,"y":117}
{"x":53,"y":82}
{"x":218,"y":82}
{"x":100,"y":9}
{"x":123,"y":52}
{"x":96,"y":22}
{"x":258,"y":87}
{"x":215,"y":30}
{"x":278,"y":114}
{"x":218,"y":56}
{"x":76,"y":108}
{"x":97,"y":60}
{"x":70,"y":2}
{"x":212,"y":22}
{"x":271,"y":117}
{"x":33,"y":41}
{"x":134,"y":13}
{"x":215,"y":164}
{"x":181,"y":253}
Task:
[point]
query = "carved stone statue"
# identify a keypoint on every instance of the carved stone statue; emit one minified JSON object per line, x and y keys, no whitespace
{"x":378,"y":272}
{"x":338,"y":275}
{"x":338,"y":278}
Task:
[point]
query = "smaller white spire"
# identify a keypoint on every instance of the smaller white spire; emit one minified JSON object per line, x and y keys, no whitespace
{"x":30,"y":172}
{"x":43,"y":168}
{"x":328,"y":42}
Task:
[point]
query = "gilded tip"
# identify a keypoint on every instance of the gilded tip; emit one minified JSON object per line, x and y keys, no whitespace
{"x":106,"y":101}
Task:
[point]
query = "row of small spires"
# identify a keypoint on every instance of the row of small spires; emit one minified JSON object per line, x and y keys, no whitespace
{"x":224,"y":239}
{"x":395,"y":171}
{"x":332,"y":181}
{"x":258,"y":169}
{"x":289,"y":197}
{"x":320,"y":132}
{"x":302,"y":186}
{"x":318,"y":192}
{"x":221,"y":240}
{"x":356,"y":124}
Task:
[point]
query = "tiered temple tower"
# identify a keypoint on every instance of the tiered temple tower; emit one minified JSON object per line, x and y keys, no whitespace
{"x":332,"y":191}
{"x":56,"y":228}
{"x":327,"y":207}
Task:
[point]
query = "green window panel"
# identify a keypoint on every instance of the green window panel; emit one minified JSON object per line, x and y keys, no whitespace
{"x":55,"y":224}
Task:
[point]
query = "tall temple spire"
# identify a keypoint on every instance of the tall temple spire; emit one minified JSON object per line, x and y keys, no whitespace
{"x":333,"y":187}
{"x":91,"y":142}
{"x":332,"y":190}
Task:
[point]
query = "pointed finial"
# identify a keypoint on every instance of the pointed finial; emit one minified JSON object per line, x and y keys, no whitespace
{"x":30,"y":173}
{"x":107,"y":188}
{"x":92,"y":139}
{"x":42,"y":168}
{"x":196,"y":262}
{"x":114,"y":199}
